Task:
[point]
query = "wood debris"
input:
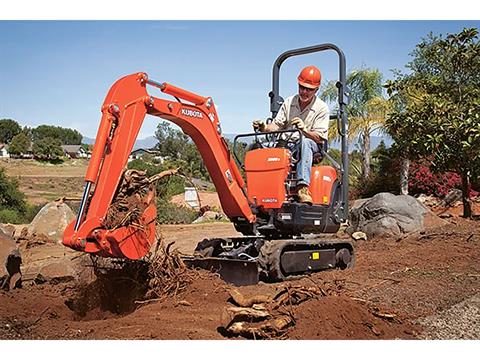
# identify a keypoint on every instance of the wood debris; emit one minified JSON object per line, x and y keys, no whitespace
{"x":265,"y":317}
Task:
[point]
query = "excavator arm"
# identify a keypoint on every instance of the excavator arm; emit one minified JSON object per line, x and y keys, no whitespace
{"x":123,"y":112}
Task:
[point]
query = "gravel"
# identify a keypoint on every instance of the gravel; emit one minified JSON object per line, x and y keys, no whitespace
{"x":461,"y":321}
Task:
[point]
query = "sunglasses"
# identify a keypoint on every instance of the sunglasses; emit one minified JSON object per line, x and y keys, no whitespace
{"x":306,"y":88}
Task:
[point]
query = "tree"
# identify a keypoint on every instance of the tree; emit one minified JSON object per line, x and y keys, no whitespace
{"x":64,"y":135}
{"x":20,"y":144}
{"x":47,"y":149}
{"x":366,"y":111}
{"x":8,"y":129}
{"x":180,"y":151}
{"x":442,"y":124}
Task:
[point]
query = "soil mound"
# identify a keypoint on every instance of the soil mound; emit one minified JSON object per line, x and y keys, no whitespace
{"x":341,"y":317}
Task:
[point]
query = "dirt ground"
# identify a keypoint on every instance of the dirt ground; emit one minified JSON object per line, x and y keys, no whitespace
{"x":409,"y":288}
{"x":44,"y":182}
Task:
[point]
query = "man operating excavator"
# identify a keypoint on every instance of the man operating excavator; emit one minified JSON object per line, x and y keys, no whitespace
{"x":308,"y":113}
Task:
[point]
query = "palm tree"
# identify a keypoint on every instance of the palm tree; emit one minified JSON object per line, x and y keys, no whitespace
{"x":367,"y":109}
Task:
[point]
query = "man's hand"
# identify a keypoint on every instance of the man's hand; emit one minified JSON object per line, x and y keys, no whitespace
{"x":299,"y":124}
{"x":259,"y":125}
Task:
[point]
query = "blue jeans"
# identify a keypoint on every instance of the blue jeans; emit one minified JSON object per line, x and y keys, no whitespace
{"x":304,"y":166}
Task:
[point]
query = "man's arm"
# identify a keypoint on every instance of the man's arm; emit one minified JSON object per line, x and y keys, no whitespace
{"x":272,"y":127}
{"x":319,"y":130}
{"x":314,"y":136}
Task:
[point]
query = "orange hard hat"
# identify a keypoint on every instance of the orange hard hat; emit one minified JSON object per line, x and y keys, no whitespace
{"x":310,"y":77}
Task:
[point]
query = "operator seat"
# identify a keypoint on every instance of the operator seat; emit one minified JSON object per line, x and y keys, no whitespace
{"x":318,"y":156}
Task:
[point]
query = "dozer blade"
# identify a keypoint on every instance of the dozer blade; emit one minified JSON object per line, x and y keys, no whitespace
{"x":236,"y":272}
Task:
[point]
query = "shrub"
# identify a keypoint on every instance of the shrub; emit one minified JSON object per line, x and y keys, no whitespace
{"x":10,"y":196}
{"x":423,"y":180}
{"x":168,"y":213}
{"x":384,"y":174}
{"x":10,"y":216}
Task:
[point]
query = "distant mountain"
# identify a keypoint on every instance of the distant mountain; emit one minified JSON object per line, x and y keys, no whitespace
{"x":147,"y":143}
{"x":87,"y":140}
{"x":151,"y":141}
{"x":374,"y":142}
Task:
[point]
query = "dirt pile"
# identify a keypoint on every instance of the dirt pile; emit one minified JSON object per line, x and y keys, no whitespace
{"x":341,"y":317}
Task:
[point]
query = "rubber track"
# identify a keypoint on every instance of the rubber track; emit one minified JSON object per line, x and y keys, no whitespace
{"x":270,"y":255}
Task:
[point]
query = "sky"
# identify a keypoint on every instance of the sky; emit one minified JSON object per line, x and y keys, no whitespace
{"x":59,"y":72}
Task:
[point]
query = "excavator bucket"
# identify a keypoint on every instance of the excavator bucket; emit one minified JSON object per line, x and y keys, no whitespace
{"x":234,"y":271}
{"x":128,"y":230}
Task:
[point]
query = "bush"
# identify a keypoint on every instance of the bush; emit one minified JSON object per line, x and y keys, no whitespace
{"x":10,"y":216}
{"x":10,"y":196}
{"x":168,"y":213}
{"x":423,"y":181}
{"x":384,"y":174}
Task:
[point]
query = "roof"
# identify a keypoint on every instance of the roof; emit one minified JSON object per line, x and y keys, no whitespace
{"x":71,"y":148}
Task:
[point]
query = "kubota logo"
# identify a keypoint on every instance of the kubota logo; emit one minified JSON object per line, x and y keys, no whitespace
{"x":273,"y":159}
{"x":192,"y":113}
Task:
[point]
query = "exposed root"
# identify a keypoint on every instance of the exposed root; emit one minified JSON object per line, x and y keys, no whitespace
{"x":124,"y":285}
{"x":168,"y":274}
{"x":135,"y":192}
{"x":264,"y":317}
{"x":247,"y":301}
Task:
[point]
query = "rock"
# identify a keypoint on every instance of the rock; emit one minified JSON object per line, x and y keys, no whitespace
{"x":51,"y":221}
{"x":208,"y":216}
{"x":64,"y":269}
{"x":55,"y":273}
{"x":453,"y":196}
{"x":7,"y":229}
{"x":428,"y":200}
{"x":10,"y":261}
{"x":386,"y":214}
{"x":359,"y":235}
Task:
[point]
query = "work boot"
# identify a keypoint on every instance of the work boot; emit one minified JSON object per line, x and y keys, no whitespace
{"x":304,"y":195}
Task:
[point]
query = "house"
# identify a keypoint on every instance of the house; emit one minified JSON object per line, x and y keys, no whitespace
{"x":138,"y":154}
{"x":75,"y":152}
{"x":4,"y":151}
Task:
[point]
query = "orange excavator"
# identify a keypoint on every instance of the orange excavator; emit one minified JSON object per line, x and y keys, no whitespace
{"x":283,"y":238}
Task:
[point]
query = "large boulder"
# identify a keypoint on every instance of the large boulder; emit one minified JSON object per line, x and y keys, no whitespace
{"x":387,"y":215}
{"x":51,"y":221}
{"x":10,"y":261}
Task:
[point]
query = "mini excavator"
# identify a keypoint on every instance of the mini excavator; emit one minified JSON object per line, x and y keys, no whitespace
{"x":282,"y":238}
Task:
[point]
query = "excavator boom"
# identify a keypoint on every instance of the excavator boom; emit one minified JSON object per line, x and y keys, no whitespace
{"x":123,"y":112}
{"x":283,"y":237}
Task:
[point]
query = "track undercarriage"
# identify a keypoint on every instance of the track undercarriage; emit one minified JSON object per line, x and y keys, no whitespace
{"x":245,"y":260}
